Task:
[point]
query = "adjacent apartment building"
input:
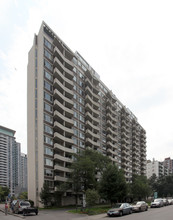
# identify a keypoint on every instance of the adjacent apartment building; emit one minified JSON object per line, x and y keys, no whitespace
{"x":158,"y":168}
{"x":69,"y":109}
{"x":10,"y":159}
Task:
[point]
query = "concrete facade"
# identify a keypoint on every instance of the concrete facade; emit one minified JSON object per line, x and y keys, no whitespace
{"x":70,"y":109}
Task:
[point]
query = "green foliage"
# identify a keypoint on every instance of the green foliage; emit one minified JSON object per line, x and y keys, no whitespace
{"x":113,"y":186}
{"x":92,"y":197}
{"x":152,"y":181}
{"x":23,"y":196}
{"x":87,"y":163}
{"x":140,"y":187}
{"x":164,"y":186}
{"x":45,"y":195}
{"x":4,"y":191}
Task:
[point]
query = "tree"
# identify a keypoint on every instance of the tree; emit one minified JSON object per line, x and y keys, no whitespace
{"x":23,"y":195}
{"x":153,"y":182}
{"x":92,"y":197}
{"x":45,"y":195}
{"x":113,"y":186}
{"x":4,"y":192}
{"x":164,"y":186}
{"x":140,"y":187}
{"x":84,"y":169}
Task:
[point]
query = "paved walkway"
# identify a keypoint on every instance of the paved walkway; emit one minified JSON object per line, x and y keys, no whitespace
{"x":59,"y":214}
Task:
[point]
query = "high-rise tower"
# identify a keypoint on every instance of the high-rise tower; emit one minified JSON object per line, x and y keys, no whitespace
{"x":70,"y":108}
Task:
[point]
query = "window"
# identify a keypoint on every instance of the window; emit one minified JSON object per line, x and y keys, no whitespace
{"x":48,"y":55}
{"x":81,"y":118}
{"x":48,"y":97}
{"x":48,"y":129}
{"x":81,"y":100}
{"x":75,"y":114}
{"x":74,"y":78}
{"x":48,"y":108}
{"x":48,"y":75}
{"x":74,"y":96}
{"x":74,"y":149}
{"x":82,"y":144}
{"x":81,"y":92}
{"x":47,"y":43}
{"x":75,"y":132}
{"x":81,"y":75}
{"x":48,"y":86}
{"x":75,"y":141}
{"x":48,"y":65}
{"x":48,"y":172}
{"x":75,"y":105}
{"x":75,"y":123}
{"x":48,"y":118}
{"x":74,"y":69}
{"x":48,"y":162}
{"x":48,"y":151}
{"x":81,"y":135}
{"x":81,"y":109}
{"x":48,"y":140}
{"x":81,"y":126}
{"x":81,"y":83}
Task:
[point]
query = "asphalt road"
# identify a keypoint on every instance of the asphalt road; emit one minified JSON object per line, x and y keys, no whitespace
{"x":165,"y":213}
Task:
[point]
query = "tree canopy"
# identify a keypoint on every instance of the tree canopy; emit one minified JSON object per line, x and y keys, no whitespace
{"x":113,"y":186}
{"x":140,"y":187}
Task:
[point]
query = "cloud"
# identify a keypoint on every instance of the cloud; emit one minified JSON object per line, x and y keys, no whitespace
{"x":129,"y":44}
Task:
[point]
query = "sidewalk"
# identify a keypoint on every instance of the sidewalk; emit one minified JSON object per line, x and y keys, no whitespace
{"x":2,"y":209}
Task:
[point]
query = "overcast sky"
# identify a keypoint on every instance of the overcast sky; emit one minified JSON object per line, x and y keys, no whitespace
{"x":128,"y":43}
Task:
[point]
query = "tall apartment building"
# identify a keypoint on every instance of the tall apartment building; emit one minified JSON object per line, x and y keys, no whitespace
{"x":70,"y":109}
{"x":168,"y":162}
{"x":9,"y":160}
{"x":23,"y":173}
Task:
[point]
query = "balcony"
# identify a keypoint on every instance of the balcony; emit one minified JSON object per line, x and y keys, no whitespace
{"x":60,"y":97}
{"x":58,"y":53}
{"x":62,"y":148}
{"x":58,"y":126}
{"x":60,"y":117}
{"x":61,"y":179}
{"x":68,"y":92}
{"x":62,"y":78}
{"x":91,"y":142}
{"x":61,"y":138}
{"x":64,"y":159}
{"x":64,"y":169}
{"x":68,"y":73}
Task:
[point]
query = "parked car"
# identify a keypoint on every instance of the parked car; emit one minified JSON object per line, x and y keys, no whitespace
{"x":20,"y":206}
{"x":170,"y":201}
{"x":140,"y":206}
{"x":157,"y":203}
{"x":120,"y":209}
{"x":165,"y":202}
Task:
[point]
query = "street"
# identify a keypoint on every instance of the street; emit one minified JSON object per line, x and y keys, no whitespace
{"x":165,"y":213}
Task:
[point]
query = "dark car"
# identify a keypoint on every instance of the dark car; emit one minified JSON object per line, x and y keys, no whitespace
{"x":157,"y":203}
{"x":140,"y":206}
{"x":120,"y":209}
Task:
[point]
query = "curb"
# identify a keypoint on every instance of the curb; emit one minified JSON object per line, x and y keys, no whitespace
{"x":9,"y":213}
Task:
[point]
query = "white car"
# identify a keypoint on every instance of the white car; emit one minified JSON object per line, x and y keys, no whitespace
{"x":157,"y":203}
